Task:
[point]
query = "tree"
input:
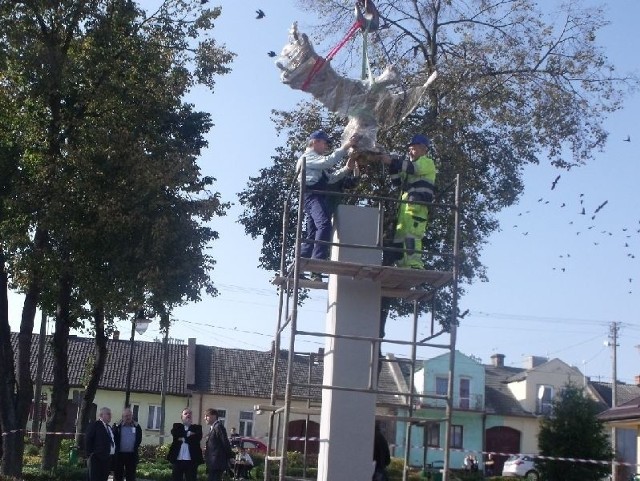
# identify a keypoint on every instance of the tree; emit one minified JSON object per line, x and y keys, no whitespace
{"x":516,"y":86}
{"x":103,"y":206}
{"x":572,"y":430}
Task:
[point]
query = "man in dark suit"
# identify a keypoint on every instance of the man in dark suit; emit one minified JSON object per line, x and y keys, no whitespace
{"x":128,"y":437}
{"x":217,"y":449}
{"x":100,"y":446}
{"x":185,"y":453}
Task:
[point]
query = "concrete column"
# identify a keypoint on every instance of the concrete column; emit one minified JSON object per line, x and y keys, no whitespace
{"x":347,"y":418}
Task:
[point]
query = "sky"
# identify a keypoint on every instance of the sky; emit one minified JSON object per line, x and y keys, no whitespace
{"x":557,"y":279}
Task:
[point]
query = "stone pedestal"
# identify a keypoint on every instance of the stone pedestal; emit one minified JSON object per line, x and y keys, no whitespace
{"x":347,"y":417}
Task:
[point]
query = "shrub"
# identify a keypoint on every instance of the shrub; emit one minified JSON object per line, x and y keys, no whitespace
{"x":148,"y":452}
{"x":65,"y":448}
{"x":62,"y":473}
{"x":31,"y":450}
{"x":162,"y":451}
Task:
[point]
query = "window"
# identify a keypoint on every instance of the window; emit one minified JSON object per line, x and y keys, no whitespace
{"x":465,"y":393}
{"x":544,"y":399}
{"x":456,"y":436}
{"x":153,"y":420}
{"x":442,"y":385}
{"x":246,"y":423}
{"x":135,"y":410}
{"x":433,"y":435}
{"x":222,"y":415}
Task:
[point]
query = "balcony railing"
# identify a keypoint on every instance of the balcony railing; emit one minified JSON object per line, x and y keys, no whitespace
{"x":473,"y":402}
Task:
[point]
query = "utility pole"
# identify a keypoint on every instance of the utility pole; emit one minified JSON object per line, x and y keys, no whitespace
{"x":613,"y":342}
{"x":165,"y":367}
{"x":37,"y":398}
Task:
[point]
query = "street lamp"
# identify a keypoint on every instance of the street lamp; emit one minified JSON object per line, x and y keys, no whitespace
{"x":139,"y":324}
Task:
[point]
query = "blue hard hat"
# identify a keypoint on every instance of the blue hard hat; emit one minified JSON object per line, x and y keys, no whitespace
{"x":420,"y":139}
{"x":320,"y":135}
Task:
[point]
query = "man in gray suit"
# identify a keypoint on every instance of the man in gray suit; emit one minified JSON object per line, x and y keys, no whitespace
{"x":100,"y":446}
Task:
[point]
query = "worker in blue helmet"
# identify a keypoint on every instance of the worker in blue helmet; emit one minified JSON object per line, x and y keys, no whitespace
{"x":318,"y":177}
{"x":416,"y":176}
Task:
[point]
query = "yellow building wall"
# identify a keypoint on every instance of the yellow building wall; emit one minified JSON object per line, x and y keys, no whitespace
{"x":114,"y":400}
{"x":529,"y":429}
{"x":233,"y":405}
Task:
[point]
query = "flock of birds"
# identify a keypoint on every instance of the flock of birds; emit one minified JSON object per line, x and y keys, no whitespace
{"x":623,"y":236}
{"x":628,"y":232}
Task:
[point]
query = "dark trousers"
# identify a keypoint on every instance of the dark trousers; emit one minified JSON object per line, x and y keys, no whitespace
{"x":318,"y":211}
{"x":124,"y":467}
{"x":215,"y":474}
{"x":184,"y":471}
{"x":99,"y":467}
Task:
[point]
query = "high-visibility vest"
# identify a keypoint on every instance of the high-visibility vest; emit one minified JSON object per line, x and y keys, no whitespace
{"x":417,"y":178}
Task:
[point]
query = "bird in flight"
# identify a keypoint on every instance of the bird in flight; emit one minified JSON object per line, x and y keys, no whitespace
{"x":628,"y":139}
{"x":271,"y":53}
{"x":553,"y":184}
{"x":599,"y":208}
{"x":260,"y":14}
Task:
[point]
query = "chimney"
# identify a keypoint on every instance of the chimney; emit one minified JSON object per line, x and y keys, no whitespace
{"x":534,"y":361}
{"x":497,"y":360}
{"x":190,"y":375}
{"x":636,"y":380}
{"x":116,"y":335}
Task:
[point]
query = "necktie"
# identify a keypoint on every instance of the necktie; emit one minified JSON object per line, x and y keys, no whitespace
{"x":109,"y":433}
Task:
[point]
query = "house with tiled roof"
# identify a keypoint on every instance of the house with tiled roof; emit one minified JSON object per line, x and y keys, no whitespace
{"x":496,"y":407}
{"x":625,"y":417}
{"x":233,"y":381}
{"x":146,"y":379}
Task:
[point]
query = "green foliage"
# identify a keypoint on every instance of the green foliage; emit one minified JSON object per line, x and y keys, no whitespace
{"x":31,"y":450}
{"x":152,"y":452}
{"x":103,"y":206}
{"x":515,"y":88}
{"x":158,"y":471}
{"x":61,"y":473}
{"x":65,"y":448}
{"x":574,"y":417}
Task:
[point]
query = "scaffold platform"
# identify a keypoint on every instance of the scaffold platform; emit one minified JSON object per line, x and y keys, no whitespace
{"x":408,"y":284}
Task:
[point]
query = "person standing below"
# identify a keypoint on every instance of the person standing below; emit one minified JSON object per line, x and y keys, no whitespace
{"x":489,"y":465}
{"x":317,"y":206}
{"x":217,"y":449}
{"x":100,"y":446}
{"x":234,"y":438}
{"x":416,"y":178}
{"x":243,"y":464}
{"x":128,"y":437}
{"x":381,"y":455}
{"x":184,"y":453}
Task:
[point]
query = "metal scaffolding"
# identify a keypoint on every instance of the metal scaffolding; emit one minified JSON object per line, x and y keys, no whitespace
{"x":417,"y":286}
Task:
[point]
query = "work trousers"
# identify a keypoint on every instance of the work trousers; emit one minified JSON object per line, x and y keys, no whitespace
{"x":124,"y":467}
{"x":410,"y":228}
{"x":318,"y":211}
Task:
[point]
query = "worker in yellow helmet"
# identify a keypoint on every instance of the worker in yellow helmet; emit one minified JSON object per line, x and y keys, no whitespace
{"x":416,"y":176}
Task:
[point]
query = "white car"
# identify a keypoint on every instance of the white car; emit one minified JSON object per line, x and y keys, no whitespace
{"x":521,"y":466}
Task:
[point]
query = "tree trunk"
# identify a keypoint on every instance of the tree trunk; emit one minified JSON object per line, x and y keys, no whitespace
{"x":12,"y":455}
{"x":96,"y":374}
{"x":23,"y":372}
{"x":60,"y":392}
